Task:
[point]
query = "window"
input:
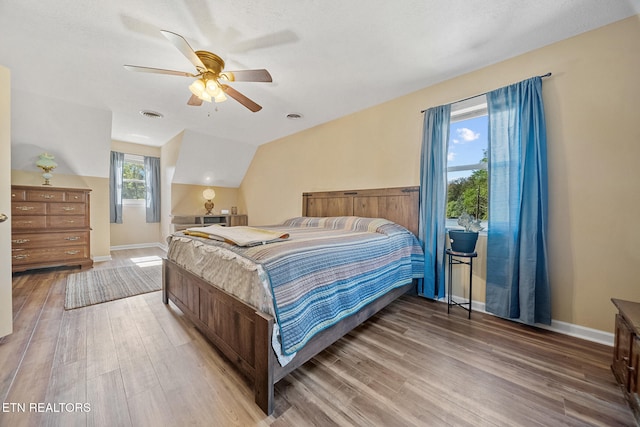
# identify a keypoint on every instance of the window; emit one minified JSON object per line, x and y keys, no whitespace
{"x":467,"y":175}
{"x":133,"y":185}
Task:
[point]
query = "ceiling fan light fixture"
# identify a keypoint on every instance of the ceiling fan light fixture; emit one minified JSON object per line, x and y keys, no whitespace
{"x":209,"y":72}
{"x":197,"y":88}
{"x":205,"y":96}
{"x":212,"y":87}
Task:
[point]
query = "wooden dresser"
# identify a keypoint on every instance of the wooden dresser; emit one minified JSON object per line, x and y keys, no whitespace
{"x":50,"y":227}
{"x":626,"y":352}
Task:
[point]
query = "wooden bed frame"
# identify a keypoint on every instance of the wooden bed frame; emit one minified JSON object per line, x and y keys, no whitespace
{"x":243,"y":334}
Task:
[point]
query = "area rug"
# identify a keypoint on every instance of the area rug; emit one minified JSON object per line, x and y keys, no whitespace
{"x":101,"y":285}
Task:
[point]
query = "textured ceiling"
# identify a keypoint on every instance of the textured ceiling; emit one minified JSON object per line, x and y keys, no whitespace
{"x":328,"y":58}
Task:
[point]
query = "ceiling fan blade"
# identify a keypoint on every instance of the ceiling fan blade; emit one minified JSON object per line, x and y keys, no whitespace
{"x":261,"y":75}
{"x":241,"y":98}
{"x":157,"y":71}
{"x":181,"y":44}
{"x":195,"y":101}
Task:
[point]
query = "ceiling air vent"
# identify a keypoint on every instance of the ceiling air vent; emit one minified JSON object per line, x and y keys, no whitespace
{"x":151,"y":114}
{"x":294,"y":116}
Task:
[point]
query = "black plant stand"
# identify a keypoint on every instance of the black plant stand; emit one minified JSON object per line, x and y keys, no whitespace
{"x":456,"y":258}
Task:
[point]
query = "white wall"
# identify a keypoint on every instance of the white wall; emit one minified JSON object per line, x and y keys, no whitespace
{"x":78,"y":136}
{"x":204,"y":160}
{"x":6,"y":313}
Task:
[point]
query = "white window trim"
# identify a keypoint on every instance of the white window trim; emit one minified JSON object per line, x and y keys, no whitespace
{"x":464,"y":110}
{"x":134,"y":158}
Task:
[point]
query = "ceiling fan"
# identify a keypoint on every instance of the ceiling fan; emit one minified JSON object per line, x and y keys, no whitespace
{"x":210,"y":77}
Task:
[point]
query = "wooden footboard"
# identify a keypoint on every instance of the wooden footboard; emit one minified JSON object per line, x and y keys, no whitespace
{"x":240,"y":332}
{"x":243,"y":334}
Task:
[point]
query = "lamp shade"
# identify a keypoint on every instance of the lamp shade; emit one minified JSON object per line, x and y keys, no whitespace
{"x":45,"y":161}
{"x":209,"y":194}
{"x":220,"y":97}
{"x":197,"y":87}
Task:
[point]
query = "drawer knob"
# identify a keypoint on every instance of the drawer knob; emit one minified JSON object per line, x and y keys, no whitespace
{"x":24,"y":208}
{"x":48,"y":196}
{"x":20,"y":256}
{"x":72,"y":252}
{"x":72,"y":238}
{"x":68,"y":208}
{"x":19,"y":241}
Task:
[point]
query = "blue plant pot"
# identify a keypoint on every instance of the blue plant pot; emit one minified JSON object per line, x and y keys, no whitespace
{"x":463,"y":241}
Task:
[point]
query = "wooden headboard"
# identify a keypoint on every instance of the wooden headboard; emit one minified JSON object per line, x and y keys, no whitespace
{"x":400,"y":205}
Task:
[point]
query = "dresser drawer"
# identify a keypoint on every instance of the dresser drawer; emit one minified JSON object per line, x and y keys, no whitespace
{"x":47,"y":240}
{"x":66,"y":209}
{"x":28,"y":222}
{"x":28,"y":208}
{"x":48,"y":255}
{"x":18,"y":195}
{"x":45,"y":196}
{"x":75,"y":196}
{"x":67,"y":221}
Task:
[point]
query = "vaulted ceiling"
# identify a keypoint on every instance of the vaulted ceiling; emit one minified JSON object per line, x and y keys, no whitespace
{"x":327,"y":58}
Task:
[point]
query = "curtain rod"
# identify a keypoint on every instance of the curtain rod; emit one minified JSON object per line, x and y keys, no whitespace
{"x":475,"y":96}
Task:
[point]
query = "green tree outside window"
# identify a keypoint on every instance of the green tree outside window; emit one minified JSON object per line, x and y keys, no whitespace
{"x":469,"y":194}
{"x":133,"y":181}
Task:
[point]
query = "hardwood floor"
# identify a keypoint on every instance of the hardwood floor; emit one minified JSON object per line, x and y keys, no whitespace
{"x":137,"y":362}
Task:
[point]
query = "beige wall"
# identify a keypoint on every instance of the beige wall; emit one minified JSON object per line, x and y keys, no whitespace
{"x":593,"y":150}
{"x":100,"y":246}
{"x":134,"y":229}
{"x":169,"y":154}
{"x":187,"y":199}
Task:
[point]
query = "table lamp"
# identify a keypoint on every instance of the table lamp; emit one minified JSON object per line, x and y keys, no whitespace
{"x":209,"y":194}
{"x":46,"y":163}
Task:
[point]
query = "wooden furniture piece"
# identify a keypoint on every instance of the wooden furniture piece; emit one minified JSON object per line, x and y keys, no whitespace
{"x":243,"y":334}
{"x":182,"y":222}
{"x":399,"y":205}
{"x":455,"y":258}
{"x":626,"y":352}
{"x":50,"y":227}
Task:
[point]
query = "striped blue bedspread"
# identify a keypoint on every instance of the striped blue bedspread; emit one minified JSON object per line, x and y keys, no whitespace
{"x":330,"y":268}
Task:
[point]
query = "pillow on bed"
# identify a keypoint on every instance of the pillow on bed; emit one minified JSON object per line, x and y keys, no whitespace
{"x":354,"y":223}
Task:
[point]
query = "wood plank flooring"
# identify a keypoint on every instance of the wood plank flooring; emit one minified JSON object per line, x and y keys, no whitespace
{"x":137,"y":362}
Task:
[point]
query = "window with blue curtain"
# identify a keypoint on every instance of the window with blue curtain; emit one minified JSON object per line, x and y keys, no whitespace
{"x":149,"y":190}
{"x":517,"y":277}
{"x":152,"y":184}
{"x":433,"y":199}
{"x":115,"y":187}
{"x":517,"y":282}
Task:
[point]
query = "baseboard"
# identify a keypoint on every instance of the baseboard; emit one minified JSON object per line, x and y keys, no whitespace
{"x":589,"y":334}
{"x":139,"y":246}
{"x":102,"y":258}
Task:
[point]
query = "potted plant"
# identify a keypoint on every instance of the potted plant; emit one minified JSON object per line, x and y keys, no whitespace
{"x":465,"y":240}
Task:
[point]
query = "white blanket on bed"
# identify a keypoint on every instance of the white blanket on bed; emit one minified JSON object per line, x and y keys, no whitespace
{"x":239,"y":236}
